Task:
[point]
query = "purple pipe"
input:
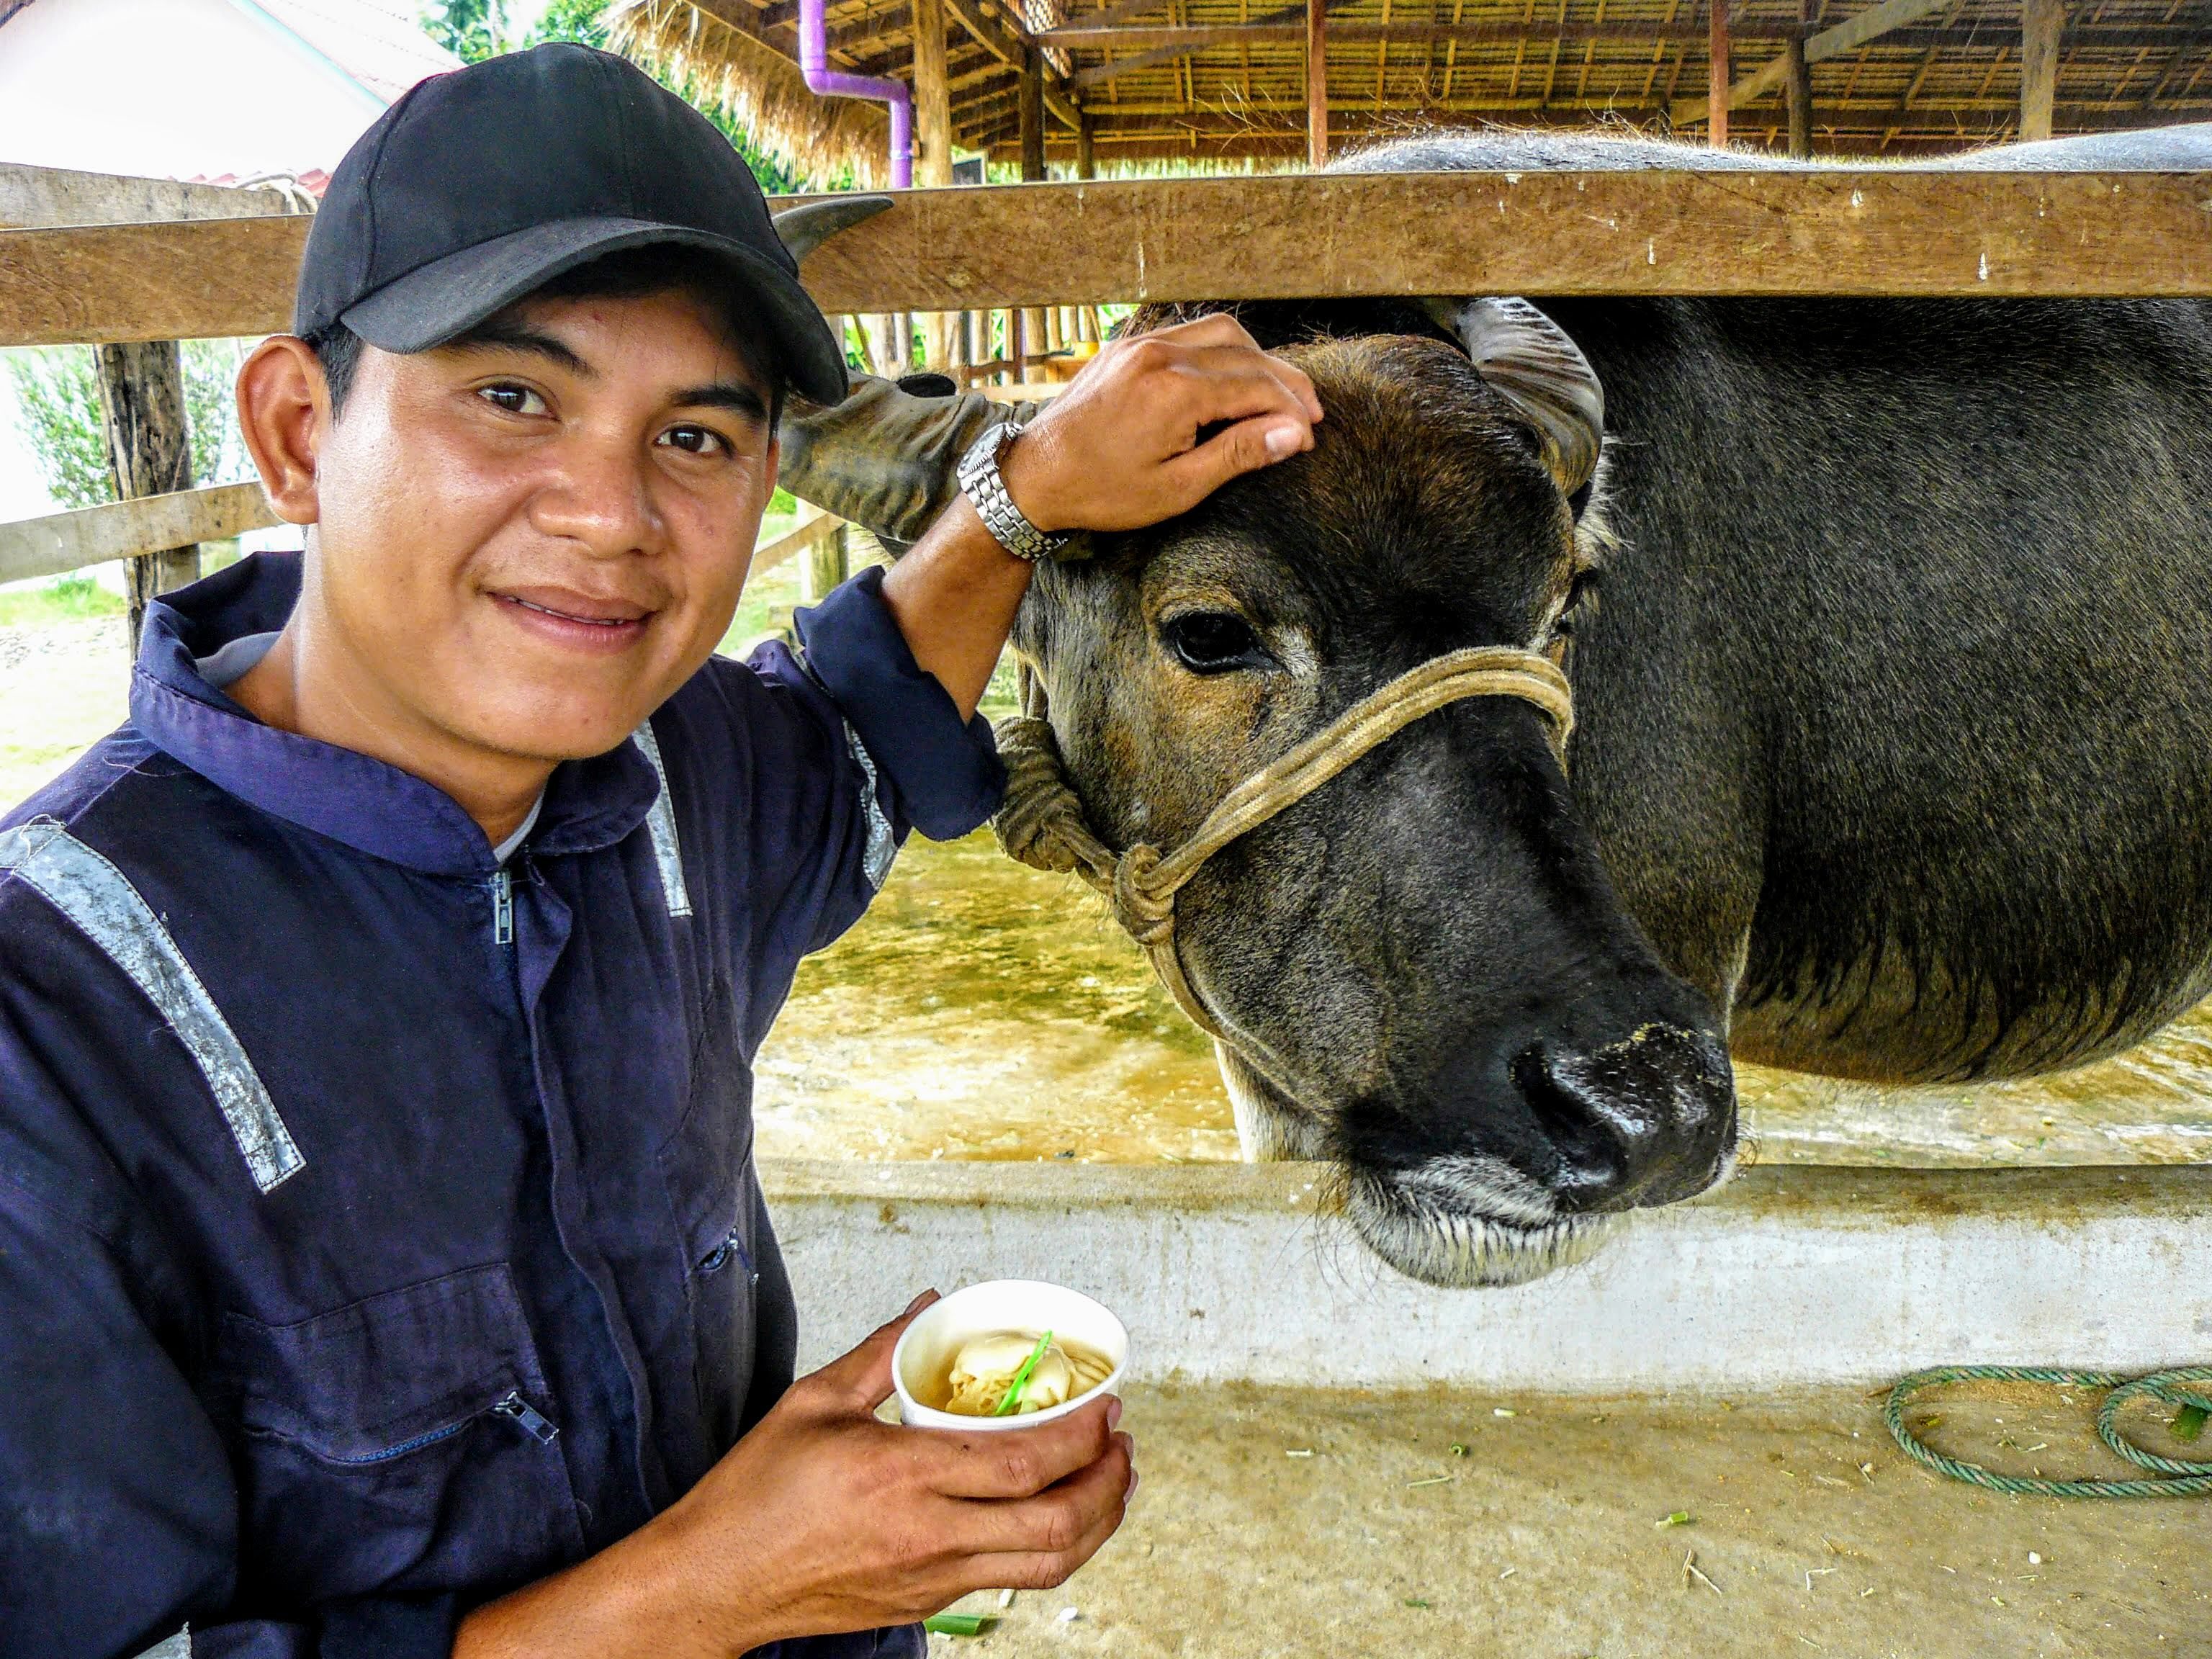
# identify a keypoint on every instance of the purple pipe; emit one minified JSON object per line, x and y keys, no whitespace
{"x":821,"y":79}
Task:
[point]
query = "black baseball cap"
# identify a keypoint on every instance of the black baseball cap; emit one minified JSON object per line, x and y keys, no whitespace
{"x":480,"y":186}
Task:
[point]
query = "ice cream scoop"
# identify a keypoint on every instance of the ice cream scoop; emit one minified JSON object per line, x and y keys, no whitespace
{"x":986,"y":1366}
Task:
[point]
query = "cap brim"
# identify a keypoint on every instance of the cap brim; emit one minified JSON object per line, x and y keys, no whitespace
{"x":445,"y":299}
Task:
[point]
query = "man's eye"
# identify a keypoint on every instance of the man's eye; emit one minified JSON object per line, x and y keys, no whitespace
{"x":694,"y":441}
{"x":514,"y":399}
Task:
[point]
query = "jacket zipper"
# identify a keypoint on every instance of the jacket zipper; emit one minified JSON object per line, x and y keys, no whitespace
{"x":718,"y":1257}
{"x":533,"y":1422}
{"x":502,"y":906}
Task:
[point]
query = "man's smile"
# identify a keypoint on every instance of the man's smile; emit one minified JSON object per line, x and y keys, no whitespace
{"x":579,"y":621}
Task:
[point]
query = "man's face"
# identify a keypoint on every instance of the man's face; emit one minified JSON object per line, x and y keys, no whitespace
{"x":529,"y":540}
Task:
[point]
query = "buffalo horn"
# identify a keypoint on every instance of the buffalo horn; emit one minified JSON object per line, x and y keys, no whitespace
{"x":884,"y":458}
{"x":1528,"y":359}
{"x":805,"y":228}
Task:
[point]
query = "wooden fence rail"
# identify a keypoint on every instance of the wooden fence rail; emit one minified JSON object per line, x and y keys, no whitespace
{"x":60,"y":196}
{"x":1923,"y":233}
{"x":130,"y":530}
{"x":63,"y":542}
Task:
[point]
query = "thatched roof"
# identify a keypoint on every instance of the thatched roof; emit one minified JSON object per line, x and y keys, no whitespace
{"x":1219,"y":79}
{"x":758,"y":83}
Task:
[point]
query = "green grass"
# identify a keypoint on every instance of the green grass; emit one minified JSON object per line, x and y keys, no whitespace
{"x":66,"y":599}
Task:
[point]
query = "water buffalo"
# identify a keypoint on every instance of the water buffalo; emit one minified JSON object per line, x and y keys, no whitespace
{"x":1888,"y":624}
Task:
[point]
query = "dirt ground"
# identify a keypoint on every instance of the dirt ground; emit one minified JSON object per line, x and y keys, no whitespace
{"x":1272,"y":1522}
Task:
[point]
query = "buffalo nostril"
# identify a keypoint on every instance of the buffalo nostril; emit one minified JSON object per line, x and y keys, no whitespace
{"x":1647,"y":1120}
{"x":1582,"y":1138}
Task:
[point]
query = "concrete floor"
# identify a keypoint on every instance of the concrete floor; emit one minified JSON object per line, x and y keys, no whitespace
{"x":1282,"y":1522}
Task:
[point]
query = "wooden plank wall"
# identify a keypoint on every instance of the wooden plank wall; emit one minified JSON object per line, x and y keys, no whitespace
{"x":1769,"y":233}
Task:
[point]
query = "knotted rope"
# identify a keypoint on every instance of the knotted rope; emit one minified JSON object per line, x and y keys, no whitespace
{"x":2180,"y":1477}
{"x":1043,"y":822}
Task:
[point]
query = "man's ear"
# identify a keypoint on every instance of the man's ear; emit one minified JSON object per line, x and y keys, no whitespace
{"x":284,"y":412}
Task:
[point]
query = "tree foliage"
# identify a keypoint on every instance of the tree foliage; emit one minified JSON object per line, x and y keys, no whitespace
{"x":57,"y":406}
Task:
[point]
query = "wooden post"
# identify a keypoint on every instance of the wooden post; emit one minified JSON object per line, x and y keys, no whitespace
{"x":1086,"y":155}
{"x":2040,"y":22}
{"x":884,"y":343}
{"x":150,"y":453}
{"x":1799,"y":90}
{"x":1032,"y":114}
{"x":1316,"y":82}
{"x":824,"y":565}
{"x":1718,"y":75}
{"x":933,"y":96}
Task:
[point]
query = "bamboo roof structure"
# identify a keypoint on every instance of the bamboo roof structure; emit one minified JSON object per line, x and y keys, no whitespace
{"x":1225,"y":80}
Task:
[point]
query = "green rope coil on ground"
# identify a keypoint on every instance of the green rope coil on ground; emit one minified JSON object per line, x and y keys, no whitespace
{"x":2179,"y":1478}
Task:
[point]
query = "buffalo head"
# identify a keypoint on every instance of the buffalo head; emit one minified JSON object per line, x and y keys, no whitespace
{"x":1419,"y":971}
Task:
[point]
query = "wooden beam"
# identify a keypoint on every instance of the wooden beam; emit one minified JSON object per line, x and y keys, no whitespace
{"x":1086,"y":153}
{"x":1825,"y":232}
{"x":130,"y":530}
{"x":1294,"y":16}
{"x":1200,"y":37}
{"x":109,"y":283}
{"x":1009,"y":47}
{"x":1716,"y":75}
{"x":1118,"y":14}
{"x":36,"y":198}
{"x":1184,"y":38}
{"x":2040,"y":22}
{"x":1316,"y":84}
{"x":1848,"y":36}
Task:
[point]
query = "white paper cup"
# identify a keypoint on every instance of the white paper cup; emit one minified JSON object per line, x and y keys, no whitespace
{"x":925,"y":1350}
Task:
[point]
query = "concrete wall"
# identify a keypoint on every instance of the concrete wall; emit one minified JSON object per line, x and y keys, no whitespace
{"x":1786,"y":1276}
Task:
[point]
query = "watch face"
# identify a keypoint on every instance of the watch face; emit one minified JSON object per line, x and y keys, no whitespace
{"x":983,"y":451}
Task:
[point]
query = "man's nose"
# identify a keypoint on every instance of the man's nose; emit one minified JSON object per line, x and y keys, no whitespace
{"x":601,"y":499}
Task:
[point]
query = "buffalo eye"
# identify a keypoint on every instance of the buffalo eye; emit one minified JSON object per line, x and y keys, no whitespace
{"x":1580,"y":593}
{"x":1214,"y":642}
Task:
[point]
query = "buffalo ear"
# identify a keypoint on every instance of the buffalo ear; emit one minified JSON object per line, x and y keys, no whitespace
{"x":1529,"y":360}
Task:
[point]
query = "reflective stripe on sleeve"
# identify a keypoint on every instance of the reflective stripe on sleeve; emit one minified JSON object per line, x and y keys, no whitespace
{"x":107,"y":908}
{"x":179,"y":1646}
{"x":883,"y":847}
{"x":660,"y":825}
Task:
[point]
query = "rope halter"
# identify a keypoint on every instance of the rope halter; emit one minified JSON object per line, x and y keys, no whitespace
{"x":1043,"y":822}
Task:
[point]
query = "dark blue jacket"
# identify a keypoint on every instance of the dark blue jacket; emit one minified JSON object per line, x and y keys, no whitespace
{"x":378,"y":1229}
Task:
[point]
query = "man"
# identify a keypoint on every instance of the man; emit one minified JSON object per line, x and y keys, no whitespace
{"x":382,"y":1268}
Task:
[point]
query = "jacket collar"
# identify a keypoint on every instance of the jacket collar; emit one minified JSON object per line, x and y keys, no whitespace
{"x":366,"y":803}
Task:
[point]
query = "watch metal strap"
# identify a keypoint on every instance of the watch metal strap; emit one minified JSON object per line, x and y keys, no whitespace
{"x":979,"y":481}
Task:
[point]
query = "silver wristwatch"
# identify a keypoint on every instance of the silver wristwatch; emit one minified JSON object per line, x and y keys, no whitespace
{"x":981,"y":482}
